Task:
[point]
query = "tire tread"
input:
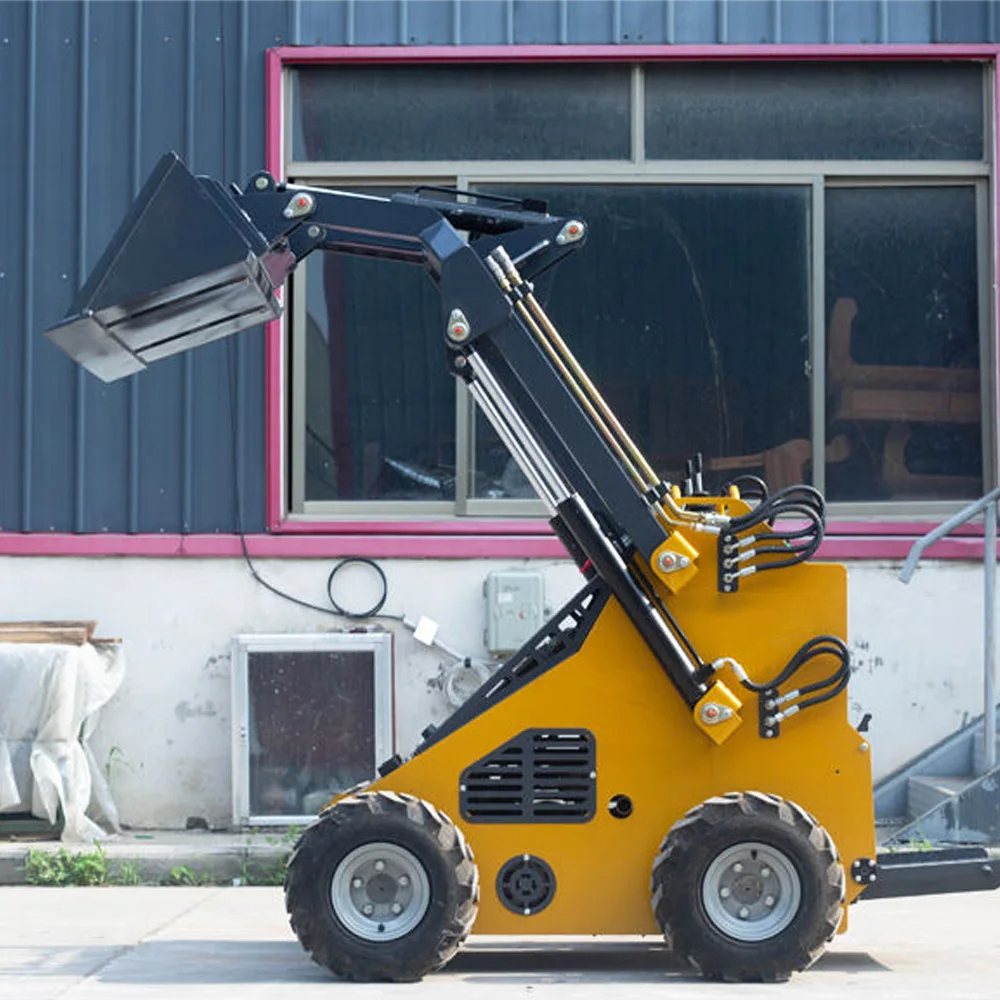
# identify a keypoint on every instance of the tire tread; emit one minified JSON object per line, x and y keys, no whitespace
{"x":308,"y":924}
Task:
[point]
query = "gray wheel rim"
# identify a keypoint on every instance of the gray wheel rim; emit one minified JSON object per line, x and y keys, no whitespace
{"x":380,"y":892}
{"x":751,"y":891}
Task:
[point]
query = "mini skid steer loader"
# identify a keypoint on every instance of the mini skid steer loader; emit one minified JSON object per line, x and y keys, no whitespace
{"x":671,"y":753}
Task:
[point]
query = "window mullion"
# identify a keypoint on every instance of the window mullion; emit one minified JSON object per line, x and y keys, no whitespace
{"x":817,"y":341}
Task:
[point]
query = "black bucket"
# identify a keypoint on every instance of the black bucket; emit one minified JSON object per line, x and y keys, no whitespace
{"x":184,"y":268}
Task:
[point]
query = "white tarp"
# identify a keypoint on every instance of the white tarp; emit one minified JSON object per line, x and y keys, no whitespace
{"x":50,"y":696}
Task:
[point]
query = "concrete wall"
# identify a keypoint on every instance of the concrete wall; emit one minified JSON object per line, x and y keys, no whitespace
{"x":918,"y":654}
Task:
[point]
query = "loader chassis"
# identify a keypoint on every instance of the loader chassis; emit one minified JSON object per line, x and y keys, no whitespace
{"x":671,"y":753}
{"x":647,"y":749}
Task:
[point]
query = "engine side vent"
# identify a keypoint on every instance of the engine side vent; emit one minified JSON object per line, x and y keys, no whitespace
{"x":540,"y":776}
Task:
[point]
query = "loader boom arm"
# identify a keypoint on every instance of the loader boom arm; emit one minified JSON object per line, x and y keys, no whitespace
{"x":194,"y":261}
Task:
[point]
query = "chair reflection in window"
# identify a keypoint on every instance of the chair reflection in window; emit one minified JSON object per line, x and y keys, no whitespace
{"x":902,"y":397}
{"x":898,"y":398}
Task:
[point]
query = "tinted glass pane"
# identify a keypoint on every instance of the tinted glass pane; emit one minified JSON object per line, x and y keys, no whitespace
{"x":902,"y":300}
{"x":312,"y":728}
{"x":380,"y":404}
{"x":689,"y":308}
{"x":461,"y":113}
{"x":801,"y":111}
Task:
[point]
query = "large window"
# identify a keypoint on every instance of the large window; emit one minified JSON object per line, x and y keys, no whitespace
{"x":787,"y":270}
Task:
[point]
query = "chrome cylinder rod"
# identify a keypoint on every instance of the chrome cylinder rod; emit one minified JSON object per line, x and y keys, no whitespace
{"x":510,"y":426}
{"x":519,"y":455}
{"x":581,"y":382}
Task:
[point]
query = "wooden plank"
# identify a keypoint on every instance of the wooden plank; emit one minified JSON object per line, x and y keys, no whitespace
{"x":73,"y":633}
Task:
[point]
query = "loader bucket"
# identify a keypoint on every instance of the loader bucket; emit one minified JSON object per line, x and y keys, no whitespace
{"x":185,"y":267}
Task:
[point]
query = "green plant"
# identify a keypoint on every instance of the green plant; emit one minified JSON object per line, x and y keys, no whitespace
{"x":128,"y":873}
{"x":183,"y":875}
{"x":270,"y":872}
{"x":65,"y":868}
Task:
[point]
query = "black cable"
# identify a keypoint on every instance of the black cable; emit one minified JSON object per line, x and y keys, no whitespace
{"x":373,"y":611}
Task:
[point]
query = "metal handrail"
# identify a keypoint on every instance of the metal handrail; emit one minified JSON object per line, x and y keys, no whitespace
{"x":988,"y":504}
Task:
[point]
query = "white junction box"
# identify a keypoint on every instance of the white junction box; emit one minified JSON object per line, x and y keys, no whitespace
{"x":515,"y":605}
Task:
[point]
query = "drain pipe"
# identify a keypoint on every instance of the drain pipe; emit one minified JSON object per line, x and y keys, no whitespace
{"x":987,"y":504}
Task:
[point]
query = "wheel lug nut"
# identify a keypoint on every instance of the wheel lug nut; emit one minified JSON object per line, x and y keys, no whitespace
{"x":379,"y":866}
{"x":765,"y":872}
{"x":404,"y":881}
{"x":725,"y":893}
{"x":738,"y":867}
{"x":356,"y":883}
{"x":769,"y":900}
{"x":396,"y":908}
{"x":368,"y":909}
{"x":744,"y":913}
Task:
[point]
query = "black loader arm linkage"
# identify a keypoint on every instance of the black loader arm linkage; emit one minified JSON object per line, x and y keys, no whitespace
{"x":194,"y":261}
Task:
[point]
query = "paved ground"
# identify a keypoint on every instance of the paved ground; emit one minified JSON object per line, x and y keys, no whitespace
{"x":143,"y":943}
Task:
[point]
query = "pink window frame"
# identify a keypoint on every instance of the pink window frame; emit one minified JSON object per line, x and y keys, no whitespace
{"x":452,"y":537}
{"x":476,"y":537}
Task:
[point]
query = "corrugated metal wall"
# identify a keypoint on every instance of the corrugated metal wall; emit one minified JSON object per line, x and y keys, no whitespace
{"x":94,"y":92}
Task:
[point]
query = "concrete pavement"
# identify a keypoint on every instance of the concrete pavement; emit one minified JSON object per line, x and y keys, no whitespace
{"x":192,"y":943}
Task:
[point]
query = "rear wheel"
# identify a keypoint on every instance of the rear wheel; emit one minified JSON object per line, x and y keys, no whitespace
{"x":748,"y":887}
{"x":382,"y":888}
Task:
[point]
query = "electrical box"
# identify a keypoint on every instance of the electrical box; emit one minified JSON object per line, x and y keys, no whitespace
{"x":515,"y":607}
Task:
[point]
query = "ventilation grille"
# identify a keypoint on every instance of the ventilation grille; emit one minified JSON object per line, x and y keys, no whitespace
{"x":540,"y":776}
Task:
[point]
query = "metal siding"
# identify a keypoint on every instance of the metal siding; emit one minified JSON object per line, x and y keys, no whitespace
{"x":644,"y":22}
{"x":106,"y":182}
{"x":751,"y":23}
{"x":961,"y":21}
{"x":428,"y":23}
{"x":536,"y":22}
{"x":87,"y":117}
{"x":911,"y":21}
{"x":50,"y":467}
{"x":153,"y":454}
{"x":14,"y":66}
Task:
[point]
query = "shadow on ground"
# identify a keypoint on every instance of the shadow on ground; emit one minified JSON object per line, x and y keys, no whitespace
{"x":234,"y":962}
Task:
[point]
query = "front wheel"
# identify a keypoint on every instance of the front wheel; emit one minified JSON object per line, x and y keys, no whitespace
{"x":748,"y":887}
{"x":382,"y":888}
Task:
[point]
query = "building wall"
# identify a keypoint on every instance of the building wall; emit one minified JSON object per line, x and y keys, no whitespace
{"x":95,"y":92}
{"x":917,"y":652}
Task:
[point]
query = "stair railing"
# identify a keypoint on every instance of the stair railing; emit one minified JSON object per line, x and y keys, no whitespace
{"x":988,"y":506}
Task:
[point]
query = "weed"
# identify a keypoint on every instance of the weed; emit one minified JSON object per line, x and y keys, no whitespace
{"x":183,"y":875}
{"x":65,"y":868}
{"x":128,"y":873}
{"x":273,"y":872}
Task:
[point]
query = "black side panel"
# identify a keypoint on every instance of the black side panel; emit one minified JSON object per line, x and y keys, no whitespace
{"x":540,"y":776}
{"x":557,"y":640}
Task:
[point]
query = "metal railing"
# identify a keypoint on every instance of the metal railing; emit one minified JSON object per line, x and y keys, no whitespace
{"x":988,"y":506}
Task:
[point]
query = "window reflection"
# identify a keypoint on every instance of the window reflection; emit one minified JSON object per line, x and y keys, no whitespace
{"x":380,"y":404}
{"x":903,"y":343}
{"x":689,"y":308}
{"x":312,"y":728}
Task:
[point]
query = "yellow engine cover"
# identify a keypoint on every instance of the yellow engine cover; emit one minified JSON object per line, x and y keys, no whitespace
{"x":649,"y":748}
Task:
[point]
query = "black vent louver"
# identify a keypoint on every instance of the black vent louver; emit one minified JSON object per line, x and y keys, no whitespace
{"x":540,"y":776}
